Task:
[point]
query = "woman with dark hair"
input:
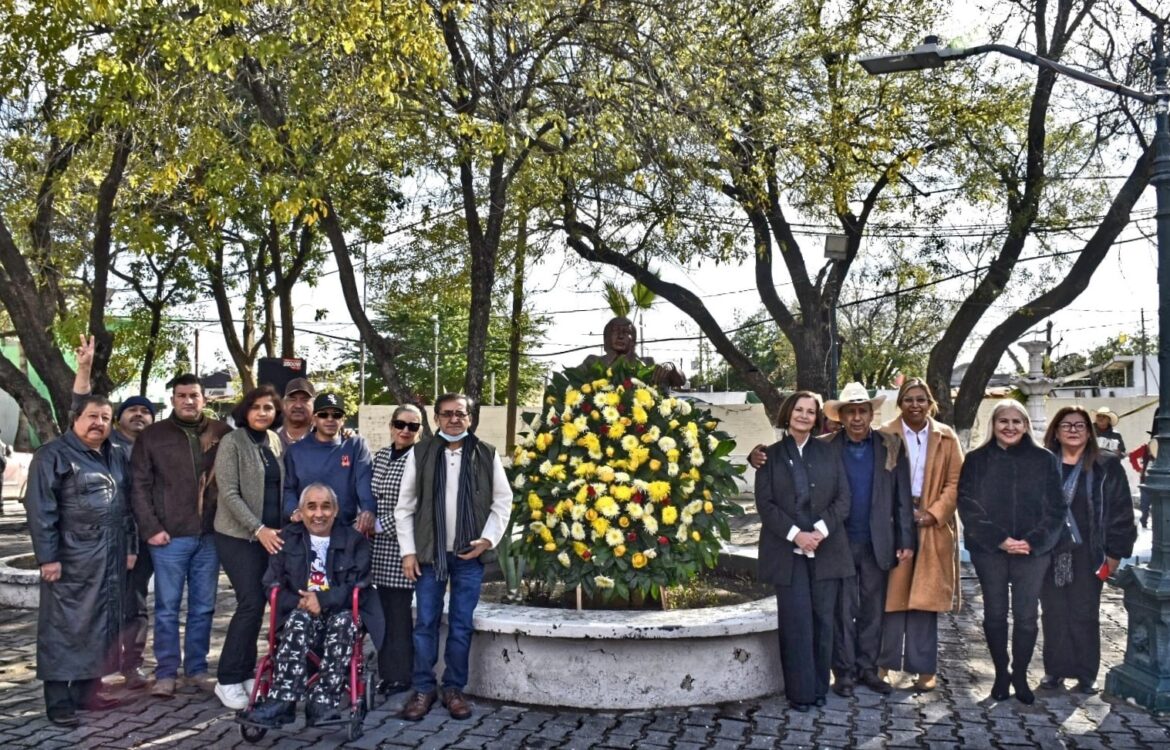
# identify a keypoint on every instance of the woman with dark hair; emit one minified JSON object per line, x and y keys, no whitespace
{"x":922,"y":586}
{"x":1099,"y":533}
{"x":250,"y":476}
{"x":803,"y":497}
{"x":1012,"y":510}
{"x":395,"y":590}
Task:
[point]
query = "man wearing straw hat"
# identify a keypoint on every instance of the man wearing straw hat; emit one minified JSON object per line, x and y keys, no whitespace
{"x":881,"y":533}
{"x":1108,"y":438}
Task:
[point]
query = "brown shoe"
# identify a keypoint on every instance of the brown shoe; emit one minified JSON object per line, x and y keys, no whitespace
{"x":456,"y":704}
{"x":925,"y":683}
{"x":418,"y":705}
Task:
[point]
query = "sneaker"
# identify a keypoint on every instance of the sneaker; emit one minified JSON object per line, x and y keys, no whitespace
{"x":232,"y":696}
{"x":248,"y":685}
{"x":204,"y":681}
{"x":164,"y":687}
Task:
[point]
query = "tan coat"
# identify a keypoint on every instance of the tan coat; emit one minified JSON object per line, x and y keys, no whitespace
{"x":928,"y":581}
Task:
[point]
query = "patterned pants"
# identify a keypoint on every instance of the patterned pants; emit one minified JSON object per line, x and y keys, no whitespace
{"x":333,"y":639}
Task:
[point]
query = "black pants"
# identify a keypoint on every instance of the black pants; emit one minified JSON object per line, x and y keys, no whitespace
{"x":1019,"y":577}
{"x":1072,"y":621}
{"x":910,"y":642}
{"x":805,"y":611}
{"x":74,"y":694}
{"x":244,"y":562}
{"x":396,"y":659}
{"x":135,"y":613}
{"x":332,"y":637}
{"x":857,"y":629}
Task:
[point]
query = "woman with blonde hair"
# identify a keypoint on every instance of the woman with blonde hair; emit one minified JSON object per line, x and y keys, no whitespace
{"x":924,"y":585}
{"x":1013,"y":510}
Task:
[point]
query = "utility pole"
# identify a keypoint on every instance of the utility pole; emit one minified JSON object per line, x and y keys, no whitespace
{"x":1145,"y":358}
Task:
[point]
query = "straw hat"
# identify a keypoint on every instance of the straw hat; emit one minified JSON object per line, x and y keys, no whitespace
{"x":853,"y":393}
{"x":1105,"y":411}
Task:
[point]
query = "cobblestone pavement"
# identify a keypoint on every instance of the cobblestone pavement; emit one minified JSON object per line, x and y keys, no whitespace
{"x":957,"y":715}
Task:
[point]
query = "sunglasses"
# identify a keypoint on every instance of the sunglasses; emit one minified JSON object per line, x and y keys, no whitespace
{"x":398,"y":424}
{"x":329,"y":415}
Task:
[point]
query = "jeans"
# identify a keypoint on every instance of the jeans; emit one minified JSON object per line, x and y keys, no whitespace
{"x":191,"y":562}
{"x":244,"y":561}
{"x":465,"y":577}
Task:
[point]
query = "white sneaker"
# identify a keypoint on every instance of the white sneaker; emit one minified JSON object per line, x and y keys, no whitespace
{"x":232,"y":696}
{"x":248,"y":685}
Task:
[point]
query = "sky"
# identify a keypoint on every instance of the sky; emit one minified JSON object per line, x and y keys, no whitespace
{"x":1123,"y":287}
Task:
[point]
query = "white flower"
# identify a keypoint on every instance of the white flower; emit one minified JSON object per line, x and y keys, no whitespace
{"x":672,"y":469}
{"x":693,"y":507}
{"x":667,"y":443}
{"x":651,"y":524}
{"x":563,"y":530}
{"x":577,"y":512}
{"x":536,"y":527}
{"x":613,"y":537}
{"x":634,"y":511}
{"x":546,"y":467}
{"x":640,"y":484}
{"x":683,"y":533}
{"x":563,"y":559}
{"x":712,"y":442}
{"x":550,"y":520}
{"x":519,"y":481}
{"x":650,"y":554}
{"x":684,"y":407}
{"x":610,"y":415}
{"x":688,"y":518}
{"x":603,"y":582}
{"x":621,"y":477}
{"x":578,"y":531}
{"x":696,"y":457}
{"x":666,"y":406}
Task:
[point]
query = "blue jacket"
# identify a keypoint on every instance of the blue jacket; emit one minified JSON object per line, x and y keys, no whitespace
{"x":345,"y":465}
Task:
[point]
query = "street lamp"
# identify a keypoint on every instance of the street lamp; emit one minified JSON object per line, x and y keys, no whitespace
{"x":1145,"y":673}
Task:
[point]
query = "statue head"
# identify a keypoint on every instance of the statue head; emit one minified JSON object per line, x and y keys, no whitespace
{"x":620,"y":337}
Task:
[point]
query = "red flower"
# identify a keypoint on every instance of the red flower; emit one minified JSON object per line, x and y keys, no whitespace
{"x":639,"y":428}
{"x":549,"y":509}
{"x":621,"y":408}
{"x":638,"y":498}
{"x":586,"y":555}
{"x":663,"y":540}
{"x":590,"y":491}
{"x":586,"y":407}
{"x":555,"y":420}
{"x":628,"y":383}
{"x":603,"y":429}
{"x":631,"y":537}
{"x":665,"y":500}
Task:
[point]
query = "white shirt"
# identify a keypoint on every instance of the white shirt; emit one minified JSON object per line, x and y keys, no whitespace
{"x":497,"y":521}
{"x":916,"y":444}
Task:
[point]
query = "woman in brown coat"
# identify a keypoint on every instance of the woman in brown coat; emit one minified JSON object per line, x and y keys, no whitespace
{"x":926,"y":584}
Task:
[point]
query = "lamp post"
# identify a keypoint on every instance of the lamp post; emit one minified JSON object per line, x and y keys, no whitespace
{"x":1145,"y":673}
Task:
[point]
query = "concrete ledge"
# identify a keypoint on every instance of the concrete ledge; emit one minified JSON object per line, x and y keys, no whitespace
{"x":19,"y":587}
{"x":613,"y":659}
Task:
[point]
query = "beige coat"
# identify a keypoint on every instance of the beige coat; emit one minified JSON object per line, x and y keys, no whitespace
{"x":928,"y":581}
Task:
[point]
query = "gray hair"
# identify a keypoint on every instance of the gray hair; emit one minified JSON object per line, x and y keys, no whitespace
{"x":407,"y":407}
{"x":1007,"y":404}
{"x":318,"y":486}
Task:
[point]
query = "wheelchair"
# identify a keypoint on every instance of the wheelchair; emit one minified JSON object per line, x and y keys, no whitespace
{"x":362,"y":676}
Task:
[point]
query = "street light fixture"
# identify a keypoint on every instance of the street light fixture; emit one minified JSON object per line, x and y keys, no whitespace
{"x":1145,"y":673}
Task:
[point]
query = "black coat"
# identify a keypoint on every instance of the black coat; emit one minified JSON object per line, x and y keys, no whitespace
{"x":891,"y":515}
{"x":1013,"y":492}
{"x":1112,"y":531}
{"x":776,"y":504}
{"x":348,"y":568}
{"x":78,"y":516}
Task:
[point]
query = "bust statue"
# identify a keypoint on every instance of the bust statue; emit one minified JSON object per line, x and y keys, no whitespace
{"x":620,"y":340}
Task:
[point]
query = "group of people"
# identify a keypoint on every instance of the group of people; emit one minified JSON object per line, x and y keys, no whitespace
{"x":289,"y":501}
{"x":860,"y":539}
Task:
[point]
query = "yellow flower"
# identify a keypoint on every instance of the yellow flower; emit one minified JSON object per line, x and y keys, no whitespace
{"x":551,"y":400}
{"x":638,"y":414}
{"x":586,"y":389}
{"x":605,"y":474}
{"x":616,"y":430}
{"x":563,"y":458}
{"x":582,"y":494}
{"x":659,"y":491}
{"x":569,"y":433}
{"x":536,"y":515}
{"x":580,"y":548}
{"x":620,"y":550}
{"x":708,"y":507}
{"x":595,"y":415}
{"x":638,"y":560}
{"x":674,"y":424}
{"x":606,"y":506}
{"x":621,"y":492}
{"x":534,"y":501}
{"x":643,"y":397}
{"x":599,"y":384}
{"x":707,"y":494}
{"x":609,"y":451}
{"x":550,"y":547}
{"x":696,"y":536}
{"x":543,"y":440}
{"x":557,"y":472}
{"x":623,"y":522}
{"x":669,"y":515}
{"x":601,"y":525}
{"x":655,"y":464}
{"x":572,"y":397}
{"x":710,"y":425}
{"x":591,"y":515}
{"x":672,"y":455}
{"x":586,"y":469}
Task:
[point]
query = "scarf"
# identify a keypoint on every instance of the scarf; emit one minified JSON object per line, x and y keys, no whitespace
{"x":465,"y":511}
{"x":1062,"y":569}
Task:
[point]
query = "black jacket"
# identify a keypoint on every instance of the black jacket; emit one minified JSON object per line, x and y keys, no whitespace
{"x":891,"y":515}
{"x":348,"y":568}
{"x":776,"y":504}
{"x":1112,"y":531}
{"x":1013,"y":492}
{"x":78,"y":516}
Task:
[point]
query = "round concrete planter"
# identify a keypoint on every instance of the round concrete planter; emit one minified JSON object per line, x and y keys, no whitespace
{"x":616,"y":659}
{"x":19,"y":587}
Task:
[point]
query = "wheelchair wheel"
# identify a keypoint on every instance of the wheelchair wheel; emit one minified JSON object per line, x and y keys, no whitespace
{"x":252,"y":733}
{"x":353,"y":730}
{"x":371,"y":691}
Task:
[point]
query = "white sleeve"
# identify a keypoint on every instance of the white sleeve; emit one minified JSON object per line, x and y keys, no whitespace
{"x":407,"y":504}
{"x":497,"y":521}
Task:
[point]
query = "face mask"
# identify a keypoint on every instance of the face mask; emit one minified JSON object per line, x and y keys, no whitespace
{"x":453,"y":438}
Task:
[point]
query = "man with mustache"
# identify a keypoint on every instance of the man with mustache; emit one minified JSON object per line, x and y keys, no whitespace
{"x":131,"y":417}
{"x":83,"y":540}
{"x":298,"y":411}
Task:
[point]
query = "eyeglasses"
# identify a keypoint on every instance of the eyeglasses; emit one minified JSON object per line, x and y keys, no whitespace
{"x":330,"y":415}
{"x":453,"y":414}
{"x":399,"y":424}
{"x":1073,"y":426}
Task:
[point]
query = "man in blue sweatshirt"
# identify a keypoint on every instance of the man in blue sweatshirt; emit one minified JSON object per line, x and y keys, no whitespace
{"x":343,"y":463}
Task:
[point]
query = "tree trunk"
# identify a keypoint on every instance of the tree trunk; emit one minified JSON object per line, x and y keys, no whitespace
{"x":33,"y":406}
{"x":514,"y":333}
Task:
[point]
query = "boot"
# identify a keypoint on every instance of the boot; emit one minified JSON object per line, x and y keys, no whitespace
{"x":997,"y":644}
{"x":1023,"y":644}
{"x":319,"y":712}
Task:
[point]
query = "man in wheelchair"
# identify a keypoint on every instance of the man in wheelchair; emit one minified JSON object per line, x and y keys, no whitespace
{"x":316,"y":572}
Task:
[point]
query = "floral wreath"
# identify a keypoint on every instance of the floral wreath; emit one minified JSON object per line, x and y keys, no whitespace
{"x":620,"y":488}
